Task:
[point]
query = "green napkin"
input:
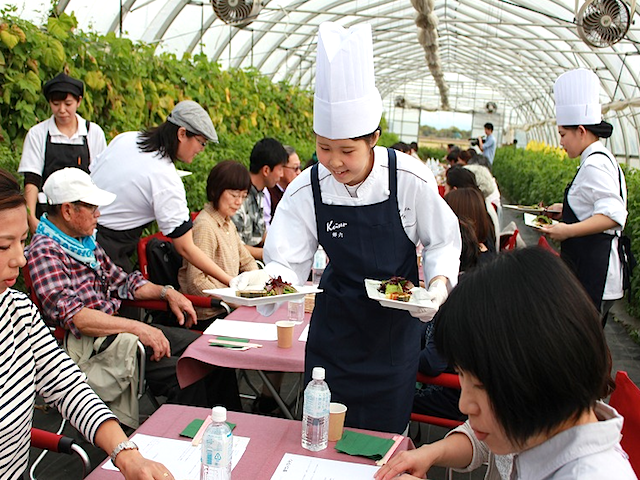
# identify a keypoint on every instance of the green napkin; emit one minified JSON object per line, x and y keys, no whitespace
{"x":363,"y":445}
{"x":191,"y":429}
{"x":232,"y":339}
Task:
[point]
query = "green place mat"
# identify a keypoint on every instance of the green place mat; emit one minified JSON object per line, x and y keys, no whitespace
{"x":191,"y":429}
{"x":363,"y":445}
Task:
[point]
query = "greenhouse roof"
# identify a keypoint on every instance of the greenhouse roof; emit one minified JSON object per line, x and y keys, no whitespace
{"x":464,"y":56}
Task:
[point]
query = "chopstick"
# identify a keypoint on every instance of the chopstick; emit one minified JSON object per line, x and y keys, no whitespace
{"x":397,"y":441}
{"x":231,"y":343}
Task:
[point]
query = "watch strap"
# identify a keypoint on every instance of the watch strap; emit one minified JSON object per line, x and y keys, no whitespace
{"x":127,"y":445}
{"x":165,"y":289}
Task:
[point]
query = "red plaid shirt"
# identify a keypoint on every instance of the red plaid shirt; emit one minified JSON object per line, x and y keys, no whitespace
{"x":65,"y":286}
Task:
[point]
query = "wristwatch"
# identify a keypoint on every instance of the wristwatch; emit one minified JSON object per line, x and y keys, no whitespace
{"x":128,"y":445}
{"x":163,"y":292}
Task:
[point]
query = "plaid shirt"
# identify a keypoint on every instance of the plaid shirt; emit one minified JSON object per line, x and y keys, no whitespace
{"x":249,"y":219}
{"x":64,"y":286}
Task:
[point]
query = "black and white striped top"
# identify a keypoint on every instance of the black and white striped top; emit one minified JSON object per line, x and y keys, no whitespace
{"x":31,"y":362}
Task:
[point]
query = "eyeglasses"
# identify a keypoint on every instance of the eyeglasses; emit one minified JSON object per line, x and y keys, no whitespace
{"x":295,"y":169}
{"x":204,"y":144}
{"x":91,"y":208}
{"x":238,"y":195}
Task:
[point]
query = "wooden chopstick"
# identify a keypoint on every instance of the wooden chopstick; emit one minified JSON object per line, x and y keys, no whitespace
{"x":232,"y":343}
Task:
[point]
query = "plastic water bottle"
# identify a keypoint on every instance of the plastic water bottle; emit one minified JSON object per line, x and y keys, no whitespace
{"x":217,"y":447}
{"x":319,"y":264}
{"x":315,"y":416}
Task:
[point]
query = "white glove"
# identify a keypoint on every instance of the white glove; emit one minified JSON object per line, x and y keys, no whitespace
{"x":257,"y":278}
{"x":437,"y":293}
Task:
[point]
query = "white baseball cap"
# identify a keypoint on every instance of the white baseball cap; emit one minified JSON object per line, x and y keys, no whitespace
{"x":346,"y":103}
{"x":70,"y":185}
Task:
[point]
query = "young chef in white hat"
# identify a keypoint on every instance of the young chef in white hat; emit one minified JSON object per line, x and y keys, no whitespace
{"x":594,"y":210}
{"x":368,"y":207}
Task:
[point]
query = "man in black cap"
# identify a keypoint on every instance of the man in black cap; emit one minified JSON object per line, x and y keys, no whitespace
{"x":63,"y":140}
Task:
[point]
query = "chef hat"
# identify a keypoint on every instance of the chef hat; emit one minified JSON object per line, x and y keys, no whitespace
{"x":347,"y":103}
{"x":577,"y":95}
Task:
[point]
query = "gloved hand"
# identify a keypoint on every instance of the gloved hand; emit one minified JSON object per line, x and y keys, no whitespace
{"x":437,"y":293}
{"x":257,"y":278}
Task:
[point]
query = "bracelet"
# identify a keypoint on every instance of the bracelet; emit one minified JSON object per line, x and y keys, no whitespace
{"x":165,"y":289}
{"x":127,"y":445}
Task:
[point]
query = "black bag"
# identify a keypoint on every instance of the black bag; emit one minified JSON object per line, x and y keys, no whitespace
{"x":163,"y":262}
{"x":627,"y":259}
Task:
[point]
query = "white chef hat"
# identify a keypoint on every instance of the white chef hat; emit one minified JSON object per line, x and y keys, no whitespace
{"x":347,"y":103}
{"x":577,"y":95}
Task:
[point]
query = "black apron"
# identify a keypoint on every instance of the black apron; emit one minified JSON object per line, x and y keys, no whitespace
{"x":587,"y":256}
{"x":370,"y":353}
{"x":60,"y":155}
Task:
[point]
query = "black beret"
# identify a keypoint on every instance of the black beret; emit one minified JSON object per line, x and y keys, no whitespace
{"x":63,"y":83}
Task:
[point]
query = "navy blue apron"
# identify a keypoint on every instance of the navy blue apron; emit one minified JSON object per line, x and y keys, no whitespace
{"x":370,"y":353}
{"x":587,"y":256}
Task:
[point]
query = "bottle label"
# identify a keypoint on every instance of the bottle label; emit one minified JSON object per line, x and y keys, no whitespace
{"x":317,"y":404}
{"x":319,"y":260}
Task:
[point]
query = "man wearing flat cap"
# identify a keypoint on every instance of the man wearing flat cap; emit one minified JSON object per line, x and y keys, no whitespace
{"x":139,"y":167}
{"x":63,"y":140}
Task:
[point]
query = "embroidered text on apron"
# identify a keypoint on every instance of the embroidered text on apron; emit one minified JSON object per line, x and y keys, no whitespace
{"x":370,"y":353}
{"x":587,"y":256}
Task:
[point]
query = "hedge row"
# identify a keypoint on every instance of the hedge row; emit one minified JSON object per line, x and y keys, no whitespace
{"x":528,"y":176}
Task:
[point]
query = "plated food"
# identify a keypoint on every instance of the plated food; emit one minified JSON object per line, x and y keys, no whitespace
{"x":256,"y":295}
{"x":396,"y":288}
{"x":538,"y":221}
{"x":419,"y":298}
{"x":275,"y":286}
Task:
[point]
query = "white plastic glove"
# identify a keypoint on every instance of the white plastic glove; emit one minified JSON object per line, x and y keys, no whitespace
{"x":254,"y":278}
{"x":437,"y":293}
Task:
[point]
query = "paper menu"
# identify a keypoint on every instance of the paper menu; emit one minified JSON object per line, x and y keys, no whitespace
{"x":180,"y":457}
{"x":300,"y":467}
{"x":239,"y":329}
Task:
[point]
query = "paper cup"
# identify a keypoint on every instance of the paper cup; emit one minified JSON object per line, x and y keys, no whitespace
{"x":337,"y":412}
{"x":285,"y":333}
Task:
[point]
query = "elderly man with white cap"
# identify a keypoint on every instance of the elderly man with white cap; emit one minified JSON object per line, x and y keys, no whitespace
{"x":368,"y":207}
{"x":594,"y":210}
{"x":80,"y":289}
{"x":139,"y":167}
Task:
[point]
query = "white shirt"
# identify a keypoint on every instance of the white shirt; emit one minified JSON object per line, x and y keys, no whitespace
{"x":35,"y":143}
{"x":425,"y":217}
{"x":596,"y":189}
{"x":147,"y":187}
{"x":587,"y":452}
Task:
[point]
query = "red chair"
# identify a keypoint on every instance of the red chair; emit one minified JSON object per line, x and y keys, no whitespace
{"x":60,"y":444}
{"x":544,"y":244}
{"x":626,"y":400}
{"x":447,"y":380}
{"x":143,"y":261}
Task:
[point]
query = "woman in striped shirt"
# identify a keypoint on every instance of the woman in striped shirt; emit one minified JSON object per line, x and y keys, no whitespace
{"x":32,"y":363}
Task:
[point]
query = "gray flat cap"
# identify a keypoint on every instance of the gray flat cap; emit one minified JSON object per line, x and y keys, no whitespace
{"x":194,"y":118}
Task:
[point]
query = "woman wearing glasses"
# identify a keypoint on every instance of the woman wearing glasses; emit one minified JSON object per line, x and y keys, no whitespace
{"x":216,"y":235}
{"x":139,"y":167}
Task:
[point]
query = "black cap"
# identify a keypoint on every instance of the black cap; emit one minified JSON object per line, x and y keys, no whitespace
{"x":63,"y":83}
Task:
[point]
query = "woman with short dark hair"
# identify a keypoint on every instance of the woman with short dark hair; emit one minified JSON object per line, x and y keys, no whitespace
{"x":216,"y":235}
{"x":532,"y":370}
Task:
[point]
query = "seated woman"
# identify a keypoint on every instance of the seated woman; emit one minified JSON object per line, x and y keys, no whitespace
{"x":468,"y":205}
{"x":32,"y":363}
{"x":532,"y":370}
{"x":462,"y":177}
{"x":216,"y":235}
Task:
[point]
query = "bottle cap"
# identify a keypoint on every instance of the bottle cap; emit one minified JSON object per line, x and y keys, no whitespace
{"x":219,"y":414}
{"x":317,"y":373}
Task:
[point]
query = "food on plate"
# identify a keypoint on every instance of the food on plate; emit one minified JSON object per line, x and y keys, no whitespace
{"x":396,"y":288}
{"x":542,"y":221}
{"x":275,"y":286}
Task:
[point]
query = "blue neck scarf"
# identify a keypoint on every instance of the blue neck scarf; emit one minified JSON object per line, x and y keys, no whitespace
{"x":82,"y":250}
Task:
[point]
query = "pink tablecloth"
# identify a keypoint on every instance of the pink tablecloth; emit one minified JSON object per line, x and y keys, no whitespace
{"x":198,"y":360}
{"x":270,"y":438}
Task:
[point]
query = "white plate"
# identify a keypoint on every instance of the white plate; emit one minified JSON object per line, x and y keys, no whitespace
{"x":229,"y":295}
{"x":529,"y":221}
{"x":412,"y":305}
